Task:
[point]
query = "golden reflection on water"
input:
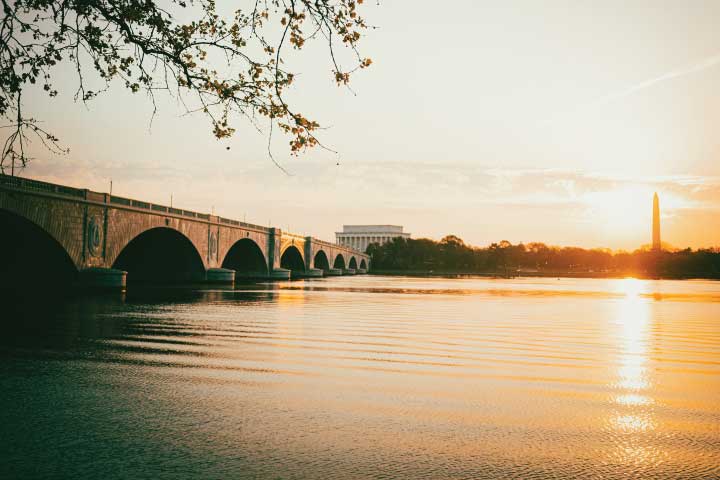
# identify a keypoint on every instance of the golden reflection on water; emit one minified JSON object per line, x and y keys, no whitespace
{"x":288,"y":326}
{"x":633,"y":399}
{"x":633,"y":319}
{"x":633,"y":414}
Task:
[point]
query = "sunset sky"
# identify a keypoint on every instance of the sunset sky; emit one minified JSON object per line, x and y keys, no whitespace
{"x":526,"y":121}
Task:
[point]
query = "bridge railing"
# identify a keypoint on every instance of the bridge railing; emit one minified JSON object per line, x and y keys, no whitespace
{"x":121,"y":201}
{"x":185,"y":213}
{"x":337,"y":245}
{"x":46,"y":187}
{"x":293,"y":236}
{"x":38,"y":186}
{"x":237,"y":223}
{"x":228,"y":221}
{"x":129,"y":202}
{"x":324,"y":243}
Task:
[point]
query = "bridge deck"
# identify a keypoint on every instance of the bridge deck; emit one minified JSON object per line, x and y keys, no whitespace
{"x":106,"y":199}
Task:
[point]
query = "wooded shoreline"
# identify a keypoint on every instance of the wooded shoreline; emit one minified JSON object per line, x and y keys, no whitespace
{"x":459,"y":274}
{"x":453,"y":257}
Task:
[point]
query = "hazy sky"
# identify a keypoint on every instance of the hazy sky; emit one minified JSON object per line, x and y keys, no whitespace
{"x":528,"y":121}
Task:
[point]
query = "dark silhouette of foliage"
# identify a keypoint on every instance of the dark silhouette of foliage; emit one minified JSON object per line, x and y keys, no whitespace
{"x":215,"y":64}
{"x":452,"y":255}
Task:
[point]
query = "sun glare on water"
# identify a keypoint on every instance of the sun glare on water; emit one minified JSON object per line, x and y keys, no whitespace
{"x":631,"y":287}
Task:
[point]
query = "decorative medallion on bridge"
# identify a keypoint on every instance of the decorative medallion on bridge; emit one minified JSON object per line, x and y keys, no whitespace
{"x":212,"y":245}
{"x":94,"y":236}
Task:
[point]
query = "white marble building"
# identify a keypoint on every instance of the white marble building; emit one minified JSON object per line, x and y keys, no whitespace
{"x":360,"y":236}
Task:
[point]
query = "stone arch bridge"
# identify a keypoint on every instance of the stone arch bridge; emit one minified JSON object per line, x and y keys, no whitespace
{"x":56,"y":233}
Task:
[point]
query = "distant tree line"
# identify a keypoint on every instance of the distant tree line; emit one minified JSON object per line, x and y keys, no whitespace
{"x":452,"y":255}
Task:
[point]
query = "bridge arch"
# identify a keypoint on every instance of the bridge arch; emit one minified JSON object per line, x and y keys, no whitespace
{"x":247,"y":259}
{"x":292,"y":260}
{"x":363,"y":264}
{"x":339,"y":261}
{"x":161,"y":255}
{"x":353,"y":263}
{"x":29,"y":254}
{"x":321,"y":261}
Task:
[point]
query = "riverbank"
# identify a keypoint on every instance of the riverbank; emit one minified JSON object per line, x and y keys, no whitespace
{"x":548,"y":274}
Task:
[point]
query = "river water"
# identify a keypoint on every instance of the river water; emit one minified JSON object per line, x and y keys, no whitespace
{"x":366,"y":377}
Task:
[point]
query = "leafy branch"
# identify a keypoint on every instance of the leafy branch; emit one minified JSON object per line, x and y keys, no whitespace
{"x":220,"y":65}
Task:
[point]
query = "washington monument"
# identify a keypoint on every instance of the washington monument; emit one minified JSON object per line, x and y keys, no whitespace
{"x":656,"y":224}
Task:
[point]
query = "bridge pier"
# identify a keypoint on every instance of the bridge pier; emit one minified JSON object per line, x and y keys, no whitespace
{"x":220,"y":275}
{"x":312,"y":273}
{"x":333,"y":272}
{"x":280,"y":274}
{"x":248,"y":276}
{"x":96,"y":278}
{"x":349,"y":271}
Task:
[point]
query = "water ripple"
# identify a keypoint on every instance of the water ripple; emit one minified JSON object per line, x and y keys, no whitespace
{"x":370,"y":377}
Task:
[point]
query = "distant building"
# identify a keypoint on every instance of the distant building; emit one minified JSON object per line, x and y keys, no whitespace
{"x":360,"y":236}
{"x":656,"y":224}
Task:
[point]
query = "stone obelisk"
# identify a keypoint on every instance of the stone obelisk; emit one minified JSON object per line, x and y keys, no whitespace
{"x":656,"y":224}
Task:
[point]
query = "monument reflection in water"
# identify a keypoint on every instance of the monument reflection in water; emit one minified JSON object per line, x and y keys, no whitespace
{"x":367,"y":377}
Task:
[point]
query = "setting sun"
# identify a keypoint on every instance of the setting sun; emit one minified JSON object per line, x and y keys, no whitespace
{"x":624,"y":209}
{"x":631,"y":287}
{"x":624,"y":215}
